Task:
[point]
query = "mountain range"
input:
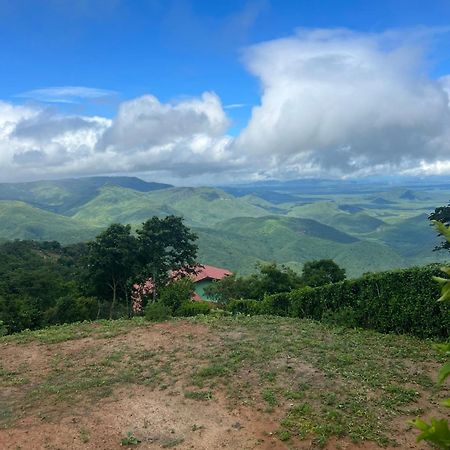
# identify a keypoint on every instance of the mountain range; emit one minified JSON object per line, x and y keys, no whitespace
{"x":364,"y":226}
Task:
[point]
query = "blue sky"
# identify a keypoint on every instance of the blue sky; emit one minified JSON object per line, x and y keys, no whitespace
{"x":179,"y":49}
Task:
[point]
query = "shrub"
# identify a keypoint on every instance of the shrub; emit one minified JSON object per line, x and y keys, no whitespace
{"x":72,"y":309}
{"x":189,"y":309}
{"x":3,"y":329}
{"x":345,"y":317}
{"x":176,"y":293}
{"x":251,"y":307}
{"x":157,"y":312}
{"x":276,"y":304}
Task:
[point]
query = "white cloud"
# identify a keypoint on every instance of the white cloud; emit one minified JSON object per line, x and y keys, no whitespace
{"x":333,"y":102}
{"x":235,"y":106}
{"x":65,"y":94}
{"x":186,"y":138}
{"x":340,"y":102}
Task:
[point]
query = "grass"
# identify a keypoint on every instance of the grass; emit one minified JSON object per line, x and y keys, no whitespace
{"x":101,"y":329}
{"x":321,"y":381}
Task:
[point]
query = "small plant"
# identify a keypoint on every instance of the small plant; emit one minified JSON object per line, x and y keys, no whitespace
{"x":84,"y":435}
{"x":198,"y":395}
{"x":130,"y":439}
{"x":437,"y":432}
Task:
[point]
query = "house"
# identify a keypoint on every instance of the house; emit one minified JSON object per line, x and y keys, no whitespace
{"x":203,"y":277}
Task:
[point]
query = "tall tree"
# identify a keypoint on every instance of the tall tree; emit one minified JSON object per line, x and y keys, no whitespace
{"x":166,"y":245}
{"x":112,"y":262}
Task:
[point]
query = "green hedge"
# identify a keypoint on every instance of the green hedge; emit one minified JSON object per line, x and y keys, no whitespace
{"x":242,"y":306}
{"x":402,"y":301}
{"x":190,"y":309}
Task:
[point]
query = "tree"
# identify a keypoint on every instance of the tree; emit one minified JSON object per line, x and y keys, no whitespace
{"x":165,"y":245}
{"x":323,"y":271}
{"x":274,"y":280}
{"x":112,"y":263}
{"x":442,"y":215}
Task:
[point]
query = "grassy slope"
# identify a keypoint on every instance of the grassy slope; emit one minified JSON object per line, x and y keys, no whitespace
{"x":313,"y":381}
{"x":22,"y":221}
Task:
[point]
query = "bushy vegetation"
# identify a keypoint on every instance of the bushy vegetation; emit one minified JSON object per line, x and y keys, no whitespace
{"x":402,"y":301}
{"x":42,"y":284}
{"x":272,"y":279}
{"x":190,"y":309}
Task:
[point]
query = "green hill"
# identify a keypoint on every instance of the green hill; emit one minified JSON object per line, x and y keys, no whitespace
{"x":413,"y":238}
{"x":363,"y":230}
{"x":62,"y":196}
{"x":239,"y":243}
{"x":21,"y":221}
{"x":199,"y":206}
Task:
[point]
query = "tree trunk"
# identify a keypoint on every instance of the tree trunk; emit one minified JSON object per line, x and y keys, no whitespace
{"x":127,"y":302}
{"x":98,"y":308}
{"x":114,"y":300}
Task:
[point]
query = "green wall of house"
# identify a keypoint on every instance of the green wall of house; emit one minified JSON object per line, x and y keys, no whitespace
{"x":200,"y":289}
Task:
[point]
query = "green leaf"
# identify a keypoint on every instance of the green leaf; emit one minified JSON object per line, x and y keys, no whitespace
{"x":443,"y":348}
{"x":444,"y":373}
{"x":441,"y":280}
{"x":446,"y":403}
{"x":437,"y":432}
{"x":445,"y":231}
{"x":445,"y":292}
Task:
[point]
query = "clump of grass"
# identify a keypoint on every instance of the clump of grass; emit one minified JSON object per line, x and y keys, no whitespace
{"x":198,"y":395}
{"x":130,"y":439}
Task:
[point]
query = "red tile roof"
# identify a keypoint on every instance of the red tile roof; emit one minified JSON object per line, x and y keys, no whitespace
{"x":210,"y":272}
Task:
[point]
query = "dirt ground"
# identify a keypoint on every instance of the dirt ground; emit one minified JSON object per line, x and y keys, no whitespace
{"x":158,"y":418}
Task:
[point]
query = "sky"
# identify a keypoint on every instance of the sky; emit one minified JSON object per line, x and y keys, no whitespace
{"x":212,"y":92}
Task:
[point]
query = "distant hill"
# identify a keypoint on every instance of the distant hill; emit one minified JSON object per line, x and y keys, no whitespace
{"x":362,"y":226}
{"x":63,"y":196}
{"x":239,"y":243}
{"x":19,"y":220}
{"x":199,"y":206}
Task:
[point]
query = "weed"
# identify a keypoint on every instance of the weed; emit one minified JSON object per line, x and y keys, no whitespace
{"x":130,"y":439}
{"x":85,"y":435}
{"x":198,"y":395}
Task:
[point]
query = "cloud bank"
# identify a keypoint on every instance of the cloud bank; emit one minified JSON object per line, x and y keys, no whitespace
{"x":333,"y":103}
{"x":340,"y":102}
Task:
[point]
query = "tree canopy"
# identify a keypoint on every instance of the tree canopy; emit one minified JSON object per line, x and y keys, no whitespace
{"x":323,"y":271}
{"x":165,"y":245}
